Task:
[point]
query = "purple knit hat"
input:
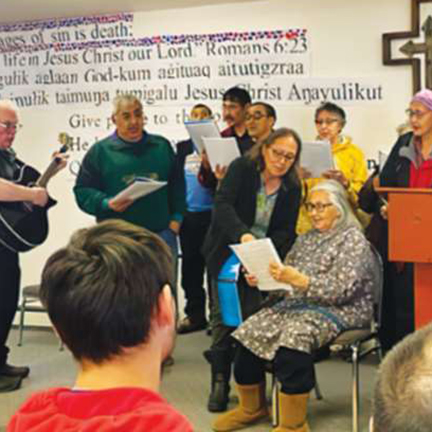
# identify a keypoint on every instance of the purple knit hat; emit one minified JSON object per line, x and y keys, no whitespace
{"x":424,"y":97}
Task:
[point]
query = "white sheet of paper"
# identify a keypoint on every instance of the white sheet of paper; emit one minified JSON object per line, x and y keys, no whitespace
{"x":256,"y":257}
{"x":382,"y":159}
{"x":199,"y":129}
{"x":140,"y":187}
{"x":316,"y":157}
{"x":221,"y":151}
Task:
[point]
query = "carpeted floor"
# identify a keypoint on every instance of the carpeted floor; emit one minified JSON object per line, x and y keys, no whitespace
{"x":186,"y":383}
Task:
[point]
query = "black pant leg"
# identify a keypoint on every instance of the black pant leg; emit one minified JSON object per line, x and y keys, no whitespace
{"x":397,"y":319}
{"x":9,"y":292}
{"x":294,"y":370}
{"x":248,"y":368}
{"x":192,"y":234}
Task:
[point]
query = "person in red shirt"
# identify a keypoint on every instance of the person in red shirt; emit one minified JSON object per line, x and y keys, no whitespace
{"x":108,"y":296}
{"x":409,"y":165}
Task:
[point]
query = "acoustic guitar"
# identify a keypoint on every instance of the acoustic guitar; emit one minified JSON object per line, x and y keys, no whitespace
{"x":23,"y":225}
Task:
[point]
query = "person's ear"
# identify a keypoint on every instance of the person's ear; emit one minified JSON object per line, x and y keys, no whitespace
{"x":166,"y":313}
{"x":113,"y":119}
{"x":272,"y":122}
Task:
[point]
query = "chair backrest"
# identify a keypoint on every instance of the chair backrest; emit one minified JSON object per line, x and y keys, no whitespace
{"x":378,"y":274}
{"x":31,"y":292}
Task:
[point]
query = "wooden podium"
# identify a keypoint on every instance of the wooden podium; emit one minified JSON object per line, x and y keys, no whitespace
{"x":410,"y":240}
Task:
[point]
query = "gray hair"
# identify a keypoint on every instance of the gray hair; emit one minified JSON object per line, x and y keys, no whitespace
{"x":126,"y":98}
{"x":8,"y":104}
{"x":339,"y":198}
{"x":403,"y":390}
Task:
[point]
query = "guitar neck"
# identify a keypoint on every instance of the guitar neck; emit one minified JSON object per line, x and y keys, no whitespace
{"x":51,"y":170}
{"x":47,"y":175}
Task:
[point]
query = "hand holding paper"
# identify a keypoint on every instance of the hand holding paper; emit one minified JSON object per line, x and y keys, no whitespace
{"x":247,"y":237}
{"x":119,"y":205}
{"x":252,"y":280}
{"x":140,"y":187}
{"x":276,"y":271}
{"x":220,"y":172}
{"x":256,"y":257}
{"x":289,"y":275}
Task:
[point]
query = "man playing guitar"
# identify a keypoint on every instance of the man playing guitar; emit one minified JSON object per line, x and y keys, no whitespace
{"x":11,"y":376}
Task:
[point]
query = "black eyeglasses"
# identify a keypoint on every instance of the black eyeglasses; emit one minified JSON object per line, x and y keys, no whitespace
{"x":280,"y":155}
{"x":255,"y":116}
{"x":318,"y":207}
{"x":326,"y":122}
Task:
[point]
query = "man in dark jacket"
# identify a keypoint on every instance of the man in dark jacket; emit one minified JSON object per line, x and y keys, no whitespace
{"x":10,"y":168}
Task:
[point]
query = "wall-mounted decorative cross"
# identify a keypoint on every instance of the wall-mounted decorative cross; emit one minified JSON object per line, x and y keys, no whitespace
{"x":410,"y":49}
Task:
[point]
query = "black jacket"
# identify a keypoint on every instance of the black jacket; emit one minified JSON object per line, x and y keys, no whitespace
{"x":396,"y":171}
{"x":235,"y":208}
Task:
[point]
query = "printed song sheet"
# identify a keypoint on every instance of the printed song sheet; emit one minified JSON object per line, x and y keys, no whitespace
{"x":199,"y":129}
{"x":256,"y":257}
{"x":140,"y":187}
{"x":221,"y":151}
{"x":316,"y":157}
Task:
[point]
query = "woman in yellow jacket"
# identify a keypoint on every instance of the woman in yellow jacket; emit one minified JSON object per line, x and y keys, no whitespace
{"x":350,"y":163}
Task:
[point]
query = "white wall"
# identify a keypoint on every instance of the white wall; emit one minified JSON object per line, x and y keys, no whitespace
{"x":345,"y":39}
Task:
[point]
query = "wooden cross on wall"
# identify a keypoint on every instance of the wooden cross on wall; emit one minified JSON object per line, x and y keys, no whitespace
{"x":410,"y":48}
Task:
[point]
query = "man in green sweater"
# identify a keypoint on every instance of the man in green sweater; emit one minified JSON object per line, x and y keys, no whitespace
{"x":114,"y":162}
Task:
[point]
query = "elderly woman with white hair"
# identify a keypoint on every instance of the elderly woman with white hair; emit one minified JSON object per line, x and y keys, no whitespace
{"x":329,"y":270}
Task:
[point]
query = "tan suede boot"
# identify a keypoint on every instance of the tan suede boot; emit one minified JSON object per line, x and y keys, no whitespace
{"x":292,"y":410}
{"x":252,"y":407}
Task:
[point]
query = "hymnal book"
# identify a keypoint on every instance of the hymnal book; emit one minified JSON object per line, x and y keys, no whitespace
{"x":140,"y":187}
{"x":221,"y":151}
{"x":199,"y":129}
{"x":316,"y":157}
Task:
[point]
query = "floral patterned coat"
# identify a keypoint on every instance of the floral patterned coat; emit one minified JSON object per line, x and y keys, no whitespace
{"x":342,"y":272}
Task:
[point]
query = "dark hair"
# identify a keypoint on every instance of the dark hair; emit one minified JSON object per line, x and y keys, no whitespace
{"x":255,"y":153}
{"x":237,"y":95}
{"x":333,"y":108}
{"x":269,"y":109}
{"x":102,"y":289}
{"x":205,"y":107}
